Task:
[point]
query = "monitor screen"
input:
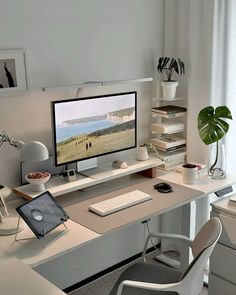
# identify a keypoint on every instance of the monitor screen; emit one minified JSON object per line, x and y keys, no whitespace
{"x":89,"y":127}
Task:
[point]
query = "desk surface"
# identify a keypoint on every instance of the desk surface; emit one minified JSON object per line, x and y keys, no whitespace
{"x":205,"y":184}
{"x":17,"y":278}
{"x":32,"y":253}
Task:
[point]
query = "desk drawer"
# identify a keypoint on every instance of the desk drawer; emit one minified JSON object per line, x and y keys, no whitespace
{"x":228,"y":236}
{"x":218,"y":286}
{"x":223,"y":263}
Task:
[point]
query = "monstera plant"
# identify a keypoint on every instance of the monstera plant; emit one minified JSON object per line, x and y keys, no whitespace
{"x":212,"y":127}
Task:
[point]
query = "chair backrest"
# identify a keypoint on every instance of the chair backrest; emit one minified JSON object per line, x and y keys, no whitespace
{"x":202,"y":247}
{"x":206,"y":236}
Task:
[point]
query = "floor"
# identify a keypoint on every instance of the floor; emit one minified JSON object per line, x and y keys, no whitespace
{"x":103,"y":285}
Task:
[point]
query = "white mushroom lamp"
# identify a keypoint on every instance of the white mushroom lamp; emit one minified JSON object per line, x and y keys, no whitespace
{"x":30,"y":152}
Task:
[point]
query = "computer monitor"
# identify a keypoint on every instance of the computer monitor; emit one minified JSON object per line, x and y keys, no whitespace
{"x":95,"y":126}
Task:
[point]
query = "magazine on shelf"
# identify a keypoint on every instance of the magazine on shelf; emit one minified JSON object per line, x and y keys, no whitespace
{"x":175,"y":155}
{"x":172,"y":159}
{"x":168,"y":141}
{"x":171,"y":149}
{"x":169,"y":109}
{"x":168,"y":116}
{"x":167,"y":127}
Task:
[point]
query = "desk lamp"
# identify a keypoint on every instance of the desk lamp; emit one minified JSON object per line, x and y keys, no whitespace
{"x":30,"y":152}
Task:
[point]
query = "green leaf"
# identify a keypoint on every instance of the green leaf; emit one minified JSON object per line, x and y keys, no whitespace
{"x":169,"y":65}
{"x":223,"y":112}
{"x":211,"y":123}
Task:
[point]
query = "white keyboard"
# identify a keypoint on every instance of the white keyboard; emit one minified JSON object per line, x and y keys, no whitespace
{"x":119,"y":203}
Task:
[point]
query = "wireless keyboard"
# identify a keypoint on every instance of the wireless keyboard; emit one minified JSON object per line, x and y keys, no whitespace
{"x":119,"y":203}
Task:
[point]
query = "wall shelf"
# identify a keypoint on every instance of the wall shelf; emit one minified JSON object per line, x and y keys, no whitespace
{"x":172,"y":148}
{"x":96,"y":83}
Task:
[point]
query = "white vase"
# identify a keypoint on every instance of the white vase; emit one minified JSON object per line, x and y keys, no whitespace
{"x":142,"y":153}
{"x":169,"y":89}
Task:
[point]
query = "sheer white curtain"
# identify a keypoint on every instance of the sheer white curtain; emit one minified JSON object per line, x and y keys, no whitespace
{"x":223,"y":86}
{"x":203,"y":33}
{"x":230,"y":97}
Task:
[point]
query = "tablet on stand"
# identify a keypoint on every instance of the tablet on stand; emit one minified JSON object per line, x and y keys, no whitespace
{"x":42,"y":214}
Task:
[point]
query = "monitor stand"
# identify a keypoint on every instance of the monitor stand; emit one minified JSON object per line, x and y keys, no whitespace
{"x":86,"y":164}
{"x":89,"y":168}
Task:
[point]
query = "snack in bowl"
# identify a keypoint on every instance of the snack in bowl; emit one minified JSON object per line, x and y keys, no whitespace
{"x":37,"y":180}
{"x":37,"y":175}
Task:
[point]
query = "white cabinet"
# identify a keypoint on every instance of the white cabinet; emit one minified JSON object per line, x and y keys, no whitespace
{"x":168,"y":131}
{"x":222,"y":278}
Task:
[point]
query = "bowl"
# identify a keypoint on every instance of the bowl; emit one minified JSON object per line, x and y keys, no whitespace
{"x":37,"y":180}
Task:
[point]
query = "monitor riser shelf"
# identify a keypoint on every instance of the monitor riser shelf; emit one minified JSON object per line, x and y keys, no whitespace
{"x":57,"y":185}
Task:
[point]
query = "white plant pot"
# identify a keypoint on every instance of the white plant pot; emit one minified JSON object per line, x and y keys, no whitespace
{"x":169,"y":89}
{"x":142,"y":153}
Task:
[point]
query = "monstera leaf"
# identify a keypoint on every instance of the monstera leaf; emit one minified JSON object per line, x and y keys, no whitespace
{"x":211,"y":123}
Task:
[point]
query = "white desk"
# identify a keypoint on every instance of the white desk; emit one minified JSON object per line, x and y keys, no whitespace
{"x":205,"y":184}
{"x":31,"y":252}
{"x":80,"y":241}
{"x":17,"y":278}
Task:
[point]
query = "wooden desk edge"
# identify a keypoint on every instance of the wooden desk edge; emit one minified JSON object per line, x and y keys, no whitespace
{"x":22,"y":194}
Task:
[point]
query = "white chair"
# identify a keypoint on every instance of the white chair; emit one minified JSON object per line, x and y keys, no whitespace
{"x":157,"y":279}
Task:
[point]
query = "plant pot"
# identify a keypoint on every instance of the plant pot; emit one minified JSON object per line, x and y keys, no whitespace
{"x":217,"y":169}
{"x":169,"y":89}
{"x":142,"y":153}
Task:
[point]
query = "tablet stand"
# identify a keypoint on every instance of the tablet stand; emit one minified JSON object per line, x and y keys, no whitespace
{"x":40,"y":239}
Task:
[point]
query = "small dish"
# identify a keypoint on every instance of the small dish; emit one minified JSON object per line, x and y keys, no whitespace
{"x":38,"y":180}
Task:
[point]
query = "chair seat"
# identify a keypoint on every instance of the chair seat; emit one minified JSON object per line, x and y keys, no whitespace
{"x":147,"y":272}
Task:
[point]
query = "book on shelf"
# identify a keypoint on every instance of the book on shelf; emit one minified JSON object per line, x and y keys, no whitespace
{"x":168,"y":116}
{"x":173,"y":159}
{"x":167,"y":127}
{"x":169,"y":109}
{"x":171,"y":149}
{"x":168,"y":140}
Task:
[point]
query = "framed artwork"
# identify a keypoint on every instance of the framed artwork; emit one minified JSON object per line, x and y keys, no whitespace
{"x":13,"y":74}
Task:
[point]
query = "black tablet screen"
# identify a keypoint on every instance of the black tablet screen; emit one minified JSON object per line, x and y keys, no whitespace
{"x":42,"y":214}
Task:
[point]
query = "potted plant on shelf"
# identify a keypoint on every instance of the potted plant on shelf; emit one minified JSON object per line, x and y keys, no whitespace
{"x":212,"y":128}
{"x":167,"y":67}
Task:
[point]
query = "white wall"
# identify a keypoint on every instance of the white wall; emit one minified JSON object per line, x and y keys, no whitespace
{"x":69,"y":42}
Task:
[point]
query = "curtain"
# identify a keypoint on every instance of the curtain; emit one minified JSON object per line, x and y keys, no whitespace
{"x":230,"y":89}
{"x":203,"y":34}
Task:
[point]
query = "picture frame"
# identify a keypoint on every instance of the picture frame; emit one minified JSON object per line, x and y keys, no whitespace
{"x":13,"y":71}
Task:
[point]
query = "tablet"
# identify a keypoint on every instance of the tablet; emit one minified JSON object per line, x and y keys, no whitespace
{"x":42,"y":214}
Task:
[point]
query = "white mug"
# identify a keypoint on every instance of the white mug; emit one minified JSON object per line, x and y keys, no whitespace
{"x":189,"y":173}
